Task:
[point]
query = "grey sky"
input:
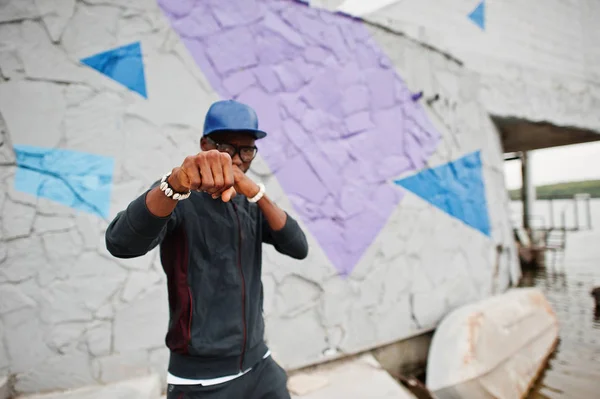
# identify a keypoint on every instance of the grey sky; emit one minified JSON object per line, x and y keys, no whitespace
{"x":559,"y":164}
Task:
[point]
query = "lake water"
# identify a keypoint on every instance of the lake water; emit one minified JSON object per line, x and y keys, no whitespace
{"x":574,"y":369}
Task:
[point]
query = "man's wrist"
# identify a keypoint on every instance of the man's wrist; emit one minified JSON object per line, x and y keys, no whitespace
{"x":176,"y":186}
{"x":171,"y":191}
{"x":255,"y":191}
{"x":258,"y":195}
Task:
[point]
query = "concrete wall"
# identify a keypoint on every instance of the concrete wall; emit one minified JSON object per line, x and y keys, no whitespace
{"x":537,"y":60}
{"x":337,"y":100}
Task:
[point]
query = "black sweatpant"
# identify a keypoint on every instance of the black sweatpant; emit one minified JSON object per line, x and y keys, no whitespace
{"x":266,"y":380}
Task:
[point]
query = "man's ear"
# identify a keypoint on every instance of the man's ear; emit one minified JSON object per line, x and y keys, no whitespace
{"x":203,"y":144}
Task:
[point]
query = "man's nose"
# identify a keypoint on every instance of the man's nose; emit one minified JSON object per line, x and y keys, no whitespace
{"x":236,"y":160}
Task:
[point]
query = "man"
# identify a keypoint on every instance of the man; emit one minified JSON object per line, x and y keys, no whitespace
{"x":210,"y":221}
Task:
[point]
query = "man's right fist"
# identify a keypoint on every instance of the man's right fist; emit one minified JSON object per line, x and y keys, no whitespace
{"x":209,"y":171}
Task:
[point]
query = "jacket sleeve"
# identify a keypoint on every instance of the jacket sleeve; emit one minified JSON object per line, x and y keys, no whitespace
{"x":136,"y":231}
{"x":290,"y":240}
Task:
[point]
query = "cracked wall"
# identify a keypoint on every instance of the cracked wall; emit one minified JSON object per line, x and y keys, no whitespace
{"x":72,"y":315}
{"x":531,"y":61}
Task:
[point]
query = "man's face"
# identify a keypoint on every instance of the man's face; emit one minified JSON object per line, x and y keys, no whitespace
{"x":239,"y":145}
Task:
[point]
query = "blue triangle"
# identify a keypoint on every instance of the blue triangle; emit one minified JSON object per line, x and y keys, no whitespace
{"x":478,"y":15}
{"x":456,"y":188}
{"x":122,"y":64}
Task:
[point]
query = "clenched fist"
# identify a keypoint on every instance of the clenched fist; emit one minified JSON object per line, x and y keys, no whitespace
{"x":243,"y":184}
{"x":209,"y":171}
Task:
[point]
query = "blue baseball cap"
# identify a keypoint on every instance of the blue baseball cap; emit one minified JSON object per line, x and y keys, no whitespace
{"x":231,"y":116}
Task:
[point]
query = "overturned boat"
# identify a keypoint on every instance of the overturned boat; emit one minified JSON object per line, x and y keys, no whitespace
{"x":495,"y":348}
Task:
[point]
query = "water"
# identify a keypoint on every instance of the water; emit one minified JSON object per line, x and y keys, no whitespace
{"x":574,"y":369}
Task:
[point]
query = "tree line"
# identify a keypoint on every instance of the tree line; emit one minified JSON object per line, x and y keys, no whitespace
{"x":562,"y":190}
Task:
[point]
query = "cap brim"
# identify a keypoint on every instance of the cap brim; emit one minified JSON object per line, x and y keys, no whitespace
{"x":258,"y":134}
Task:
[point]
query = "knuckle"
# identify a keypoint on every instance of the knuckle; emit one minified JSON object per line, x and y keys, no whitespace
{"x":196,"y":159}
{"x":211,"y":156}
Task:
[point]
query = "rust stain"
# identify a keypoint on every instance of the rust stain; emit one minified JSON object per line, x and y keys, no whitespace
{"x":473,"y":324}
{"x":540,"y":301}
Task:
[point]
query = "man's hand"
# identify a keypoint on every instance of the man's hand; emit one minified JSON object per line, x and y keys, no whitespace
{"x":243,"y":184}
{"x":209,"y":171}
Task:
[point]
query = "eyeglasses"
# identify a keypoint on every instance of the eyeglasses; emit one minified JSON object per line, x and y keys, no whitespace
{"x":247,"y":152}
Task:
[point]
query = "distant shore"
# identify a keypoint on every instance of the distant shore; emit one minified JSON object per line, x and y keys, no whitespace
{"x":562,"y":190}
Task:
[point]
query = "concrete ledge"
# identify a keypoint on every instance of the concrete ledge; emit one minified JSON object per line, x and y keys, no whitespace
{"x":149,"y":387}
{"x":405,"y":357}
{"x":355,"y":378}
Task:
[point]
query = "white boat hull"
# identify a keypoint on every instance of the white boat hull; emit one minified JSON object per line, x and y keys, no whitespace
{"x":494,"y":348}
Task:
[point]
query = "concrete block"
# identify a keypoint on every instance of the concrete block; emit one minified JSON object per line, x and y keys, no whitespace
{"x":22,"y":258}
{"x":298,"y":294}
{"x":17,"y":10}
{"x":17,"y":220}
{"x":75,"y":371}
{"x":305,"y":339}
{"x":43,"y":60}
{"x":24,"y":337}
{"x":90,"y":30}
{"x":94,"y":125}
{"x":354,"y":378}
{"x":121,"y":365}
{"x":20,"y":100}
{"x":56,"y":15}
{"x":11,"y":299}
{"x":179,"y":101}
{"x":139,"y":282}
{"x":44,"y":224}
{"x":4,"y":361}
{"x":142,"y":324}
{"x":98,"y":338}
{"x":11,"y":65}
{"x":159,"y":361}
{"x":82,"y":283}
{"x":147,"y":387}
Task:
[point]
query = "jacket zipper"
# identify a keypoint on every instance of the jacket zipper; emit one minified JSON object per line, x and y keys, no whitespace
{"x":190,"y":315}
{"x":239,"y":262}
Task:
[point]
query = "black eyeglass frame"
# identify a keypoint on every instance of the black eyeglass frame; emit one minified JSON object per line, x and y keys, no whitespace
{"x":235,"y":149}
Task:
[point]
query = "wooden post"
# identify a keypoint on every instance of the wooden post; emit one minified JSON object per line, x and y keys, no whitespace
{"x":527,"y":190}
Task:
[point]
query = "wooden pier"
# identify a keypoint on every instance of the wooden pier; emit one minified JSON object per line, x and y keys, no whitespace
{"x":539,"y":236}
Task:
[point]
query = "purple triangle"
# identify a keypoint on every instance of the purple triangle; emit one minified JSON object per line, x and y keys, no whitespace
{"x":341,"y":122}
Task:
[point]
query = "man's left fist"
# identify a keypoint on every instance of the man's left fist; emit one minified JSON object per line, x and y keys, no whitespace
{"x":243,"y":184}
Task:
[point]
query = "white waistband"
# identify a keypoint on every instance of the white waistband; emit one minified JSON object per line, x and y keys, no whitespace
{"x":173,"y":380}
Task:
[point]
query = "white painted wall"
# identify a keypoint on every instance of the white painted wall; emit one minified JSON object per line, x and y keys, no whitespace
{"x":537,"y":59}
{"x":72,"y":315}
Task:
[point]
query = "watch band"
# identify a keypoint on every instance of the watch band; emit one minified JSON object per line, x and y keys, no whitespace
{"x":259,"y":195}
